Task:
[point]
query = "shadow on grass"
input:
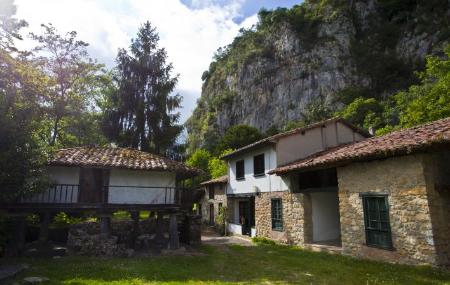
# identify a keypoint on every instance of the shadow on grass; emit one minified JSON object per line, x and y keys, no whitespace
{"x":238,"y":264}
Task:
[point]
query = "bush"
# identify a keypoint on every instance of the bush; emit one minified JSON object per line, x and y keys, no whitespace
{"x":263,"y":241}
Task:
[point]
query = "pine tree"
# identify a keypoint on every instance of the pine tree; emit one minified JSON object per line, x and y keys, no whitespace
{"x":140,"y":113}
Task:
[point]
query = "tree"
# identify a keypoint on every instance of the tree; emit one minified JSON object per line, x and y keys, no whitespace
{"x":9,"y":26}
{"x":22,"y":158}
{"x":429,"y":100}
{"x":200,"y":159}
{"x":216,"y":166}
{"x":141,"y":113}
{"x":72,"y":81}
{"x":317,"y":109}
{"x":366,"y":113}
{"x":237,"y":137}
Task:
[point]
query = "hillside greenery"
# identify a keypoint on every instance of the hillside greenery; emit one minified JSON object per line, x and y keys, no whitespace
{"x":382,"y":72}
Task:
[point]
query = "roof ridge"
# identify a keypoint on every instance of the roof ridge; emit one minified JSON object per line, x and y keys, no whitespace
{"x":399,"y":142}
{"x":300,"y":129}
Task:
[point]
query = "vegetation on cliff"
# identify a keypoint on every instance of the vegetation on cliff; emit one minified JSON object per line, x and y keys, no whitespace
{"x":387,"y":44}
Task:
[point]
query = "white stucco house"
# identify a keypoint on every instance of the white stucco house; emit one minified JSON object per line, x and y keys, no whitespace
{"x":249,"y":167}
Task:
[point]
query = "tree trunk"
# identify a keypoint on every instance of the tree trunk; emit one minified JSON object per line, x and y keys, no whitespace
{"x":55,"y":131}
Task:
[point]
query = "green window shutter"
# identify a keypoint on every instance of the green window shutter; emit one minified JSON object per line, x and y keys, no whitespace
{"x":277,"y":214}
{"x":376,"y":220}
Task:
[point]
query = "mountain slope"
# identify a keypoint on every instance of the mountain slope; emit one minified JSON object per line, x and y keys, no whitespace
{"x":300,"y":58}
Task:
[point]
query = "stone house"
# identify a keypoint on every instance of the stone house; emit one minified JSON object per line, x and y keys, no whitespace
{"x":255,"y":198}
{"x":103,"y":180}
{"x":391,"y":198}
{"x":213,"y":199}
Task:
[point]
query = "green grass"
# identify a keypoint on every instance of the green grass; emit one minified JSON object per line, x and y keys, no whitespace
{"x":266,"y":264}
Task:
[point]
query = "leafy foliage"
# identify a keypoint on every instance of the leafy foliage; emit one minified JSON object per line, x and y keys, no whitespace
{"x":71,"y":86}
{"x":216,"y":166}
{"x":22,"y":156}
{"x":221,"y":219}
{"x":200,"y":159}
{"x":238,"y":136}
{"x":429,"y":100}
{"x":424,"y":102}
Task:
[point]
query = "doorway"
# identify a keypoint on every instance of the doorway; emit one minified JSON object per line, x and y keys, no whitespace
{"x":211,"y":214}
{"x":325,"y":218}
{"x":92,"y":185}
{"x":246,"y":216}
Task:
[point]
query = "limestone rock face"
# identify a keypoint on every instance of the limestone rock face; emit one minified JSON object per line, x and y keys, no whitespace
{"x":273,"y":87}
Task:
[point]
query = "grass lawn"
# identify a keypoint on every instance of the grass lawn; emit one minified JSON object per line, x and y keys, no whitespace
{"x":263,"y":264}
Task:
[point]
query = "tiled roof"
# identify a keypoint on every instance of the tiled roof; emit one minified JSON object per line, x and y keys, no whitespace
{"x":115,"y":157}
{"x":221,"y":179}
{"x":273,"y":139}
{"x":397,"y":143}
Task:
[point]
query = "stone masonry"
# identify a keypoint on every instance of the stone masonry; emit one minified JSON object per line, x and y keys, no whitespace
{"x":411,"y":201}
{"x":418,"y":189}
{"x":296,"y":210}
{"x":219,"y":197}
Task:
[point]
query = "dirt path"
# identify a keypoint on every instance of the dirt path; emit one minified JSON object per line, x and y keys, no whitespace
{"x":209,"y":237}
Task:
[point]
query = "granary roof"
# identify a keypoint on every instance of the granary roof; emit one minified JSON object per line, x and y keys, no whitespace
{"x":116,"y":157}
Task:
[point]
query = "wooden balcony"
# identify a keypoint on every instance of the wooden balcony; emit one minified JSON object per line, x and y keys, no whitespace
{"x":73,"y":197}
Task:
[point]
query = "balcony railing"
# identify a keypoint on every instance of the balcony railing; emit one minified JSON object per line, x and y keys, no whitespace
{"x":113,"y":194}
{"x":56,"y":194}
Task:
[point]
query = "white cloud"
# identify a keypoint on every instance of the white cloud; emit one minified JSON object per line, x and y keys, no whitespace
{"x":190,"y":35}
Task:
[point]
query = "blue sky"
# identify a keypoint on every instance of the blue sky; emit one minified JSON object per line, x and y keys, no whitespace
{"x":249,"y":7}
{"x":190,"y":30}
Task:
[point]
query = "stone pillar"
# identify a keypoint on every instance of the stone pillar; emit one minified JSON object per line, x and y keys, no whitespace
{"x":136,"y":230}
{"x":307,"y":219}
{"x":159,"y":239}
{"x":45,"y":223}
{"x":105,"y":225}
{"x":174,"y":240}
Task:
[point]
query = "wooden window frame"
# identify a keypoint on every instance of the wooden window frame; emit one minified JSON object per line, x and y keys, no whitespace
{"x":368,"y":229}
{"x":261,"y":172}
{"x":277,"y":222}
{"x":238,"y":176}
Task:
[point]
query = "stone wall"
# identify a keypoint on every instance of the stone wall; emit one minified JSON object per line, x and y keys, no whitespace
{"x":418,"y":189}
{"x":219,"y":197}
{"x":296,"y":210}
{"x":403,"y":179}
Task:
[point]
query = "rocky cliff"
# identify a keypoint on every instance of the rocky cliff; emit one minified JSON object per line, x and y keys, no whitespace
{"x":305,"y":56}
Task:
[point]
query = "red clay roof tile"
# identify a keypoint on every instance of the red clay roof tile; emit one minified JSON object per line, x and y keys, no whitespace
{"x":400,"y":142}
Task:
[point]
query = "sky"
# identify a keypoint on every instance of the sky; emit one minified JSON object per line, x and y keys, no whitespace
{"x":190,"y":30}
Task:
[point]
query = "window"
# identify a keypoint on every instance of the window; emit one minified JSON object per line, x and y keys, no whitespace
{"x":240,"y":170}
{"x":376,"y":220}
{"x":258,"y":165}
{"x":277,"y":215}
{"x":211,"y":192}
